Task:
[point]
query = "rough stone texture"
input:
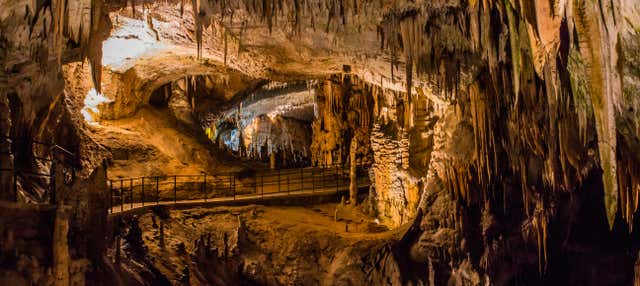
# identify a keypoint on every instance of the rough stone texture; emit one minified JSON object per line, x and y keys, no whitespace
{"x":258,"y":245}
{"x":344,"y":113}
{"x":274,"y":119}
{"x":532,"y":174}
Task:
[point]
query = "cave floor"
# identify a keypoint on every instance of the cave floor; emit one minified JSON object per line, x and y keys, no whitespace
{"x":266,"y":244}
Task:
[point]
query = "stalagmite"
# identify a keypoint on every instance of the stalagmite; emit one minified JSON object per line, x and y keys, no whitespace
{"x":199,"y":27}
{"x":6,"y":156}
{"x":60,"y":251}
{"x":272,"y":157}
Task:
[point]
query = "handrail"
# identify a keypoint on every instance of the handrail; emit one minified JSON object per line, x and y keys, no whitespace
{"x":60,"y":148}
{"x":239,"y":173}
{"x":151,"y":190}
{"x":47,"y":157}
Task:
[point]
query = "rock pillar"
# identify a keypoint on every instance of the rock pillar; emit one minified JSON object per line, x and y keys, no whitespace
{"x":61,"y":257}
{"x":404,"y":149}
{"x":272,"y":160}
{"x":7,"y":192}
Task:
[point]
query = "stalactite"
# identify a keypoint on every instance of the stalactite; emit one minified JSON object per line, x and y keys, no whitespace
{"x":58,"y":30}
{"x":628,"y":175}
{"x":133,"y":8}
{"x":482,"y":126}
{"x":199,"y":27}
{"x":588,"y":26}
{"x":515,"y":50}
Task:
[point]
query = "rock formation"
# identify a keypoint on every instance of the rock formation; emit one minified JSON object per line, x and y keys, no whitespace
{"x":501,"y":135}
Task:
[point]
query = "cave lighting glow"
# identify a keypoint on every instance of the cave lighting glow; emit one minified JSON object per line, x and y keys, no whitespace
{"x":90,"y":110}
{"x":130,"y":40}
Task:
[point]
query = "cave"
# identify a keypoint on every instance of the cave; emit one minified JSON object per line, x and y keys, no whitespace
{"x":320,"y":142}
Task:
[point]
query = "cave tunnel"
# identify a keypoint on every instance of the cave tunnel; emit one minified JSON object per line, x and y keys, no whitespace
{"x":319,"y":142}
{"x":161,"y":96}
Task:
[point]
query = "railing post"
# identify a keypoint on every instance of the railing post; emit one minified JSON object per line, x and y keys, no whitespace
{"x":336,"y":176}
{"x":157,"y":190}
{"x":142,"y":191}
{"x":131,"y":192}
{"x":234,"y":187}
{"x":110,"y":196}
{"x":121,"y":197}
{"x":204,"y":187}
{"x":175,"y":192}
{"x":230,"y":185}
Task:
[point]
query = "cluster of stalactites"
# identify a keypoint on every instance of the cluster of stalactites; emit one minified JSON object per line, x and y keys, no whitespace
{"x":290,"y":15}
{"x":432,"y":44}
{"x":532,"y":100}
{"x":628,"y":184}
{"x":361,"y":105}
{"x":345,"y":111}
{"x":67,"y":24}
{"x":513,"y":42}
{"x":277,"y":136}
{"x":332,"y":96}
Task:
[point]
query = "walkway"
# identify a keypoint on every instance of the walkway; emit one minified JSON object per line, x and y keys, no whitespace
{"x":287,"y":186}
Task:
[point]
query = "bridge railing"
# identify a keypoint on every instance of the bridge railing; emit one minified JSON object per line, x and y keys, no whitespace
{"x":141,"y":191}
{"x":44,"y":156}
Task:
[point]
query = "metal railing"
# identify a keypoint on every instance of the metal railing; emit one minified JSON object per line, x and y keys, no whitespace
{"x":141,"y":191}
{"x":44,"y":154}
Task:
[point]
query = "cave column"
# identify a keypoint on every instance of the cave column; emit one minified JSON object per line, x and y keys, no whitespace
{"x":404,"y":149}
{"x":7,"y":192}
{"x":60,"y":249}
{"x":272,"y":157}
{"x":353,"y":184}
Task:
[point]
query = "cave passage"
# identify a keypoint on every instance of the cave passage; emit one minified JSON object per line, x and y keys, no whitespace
{"x":320,"y":142}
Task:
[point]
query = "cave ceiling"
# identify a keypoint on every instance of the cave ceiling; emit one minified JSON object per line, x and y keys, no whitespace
{"x":162,"y":37}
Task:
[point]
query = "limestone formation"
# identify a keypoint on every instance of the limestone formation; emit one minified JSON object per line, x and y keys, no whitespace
{"x":499,"y":139}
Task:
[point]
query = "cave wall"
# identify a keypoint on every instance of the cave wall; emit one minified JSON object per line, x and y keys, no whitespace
{"x":534,"y":119}
{"x":530,"y":144}
{"x":45,"y":241}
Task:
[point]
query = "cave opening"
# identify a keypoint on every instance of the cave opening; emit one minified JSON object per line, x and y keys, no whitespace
{"x":271,"y":125}
{"x":161,"y":96}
